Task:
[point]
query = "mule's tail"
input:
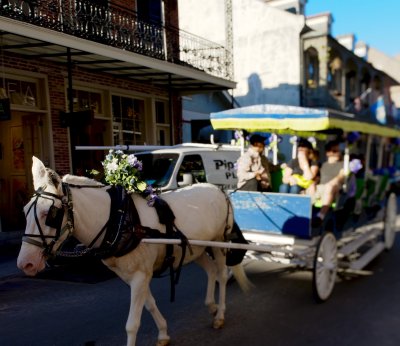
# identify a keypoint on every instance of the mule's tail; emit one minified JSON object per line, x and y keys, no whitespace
{"x":241,"y":277}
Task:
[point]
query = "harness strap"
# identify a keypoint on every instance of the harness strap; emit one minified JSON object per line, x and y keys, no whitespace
{"x":28,"y":239}
{"x":166,"y":217}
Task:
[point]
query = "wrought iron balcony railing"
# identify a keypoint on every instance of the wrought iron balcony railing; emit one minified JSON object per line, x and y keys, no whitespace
{"x":121,"y":28}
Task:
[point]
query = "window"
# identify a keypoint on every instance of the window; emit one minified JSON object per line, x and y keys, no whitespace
{"x":192,"y":164}
{"x":162,"y":123}
{"x":312,"y":68}
{"x":88,"y":100}
{"x":149,"y":11}
{"x":128,"y":120}
{"x":351,"y":84}
{"x":157,"y":168}
{"x":20,"y":92}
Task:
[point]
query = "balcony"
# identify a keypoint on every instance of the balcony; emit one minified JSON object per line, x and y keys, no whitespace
{"x":119,"y":28}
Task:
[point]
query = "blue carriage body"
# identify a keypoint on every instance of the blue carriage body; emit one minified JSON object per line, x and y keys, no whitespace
{"x":276,"y":213}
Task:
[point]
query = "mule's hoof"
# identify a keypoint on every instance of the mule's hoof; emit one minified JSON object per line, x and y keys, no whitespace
{"x":165,"y":342}
{"x":212,"y":309}
{"x":218,"y":324}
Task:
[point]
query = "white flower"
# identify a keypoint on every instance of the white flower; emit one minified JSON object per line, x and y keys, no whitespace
{"x":112,"y":166}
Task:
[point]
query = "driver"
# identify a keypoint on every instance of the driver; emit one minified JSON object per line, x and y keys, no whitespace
{"x":252,"y":167}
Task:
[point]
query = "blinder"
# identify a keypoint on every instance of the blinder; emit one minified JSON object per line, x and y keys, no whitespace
{"x":55,"y":217}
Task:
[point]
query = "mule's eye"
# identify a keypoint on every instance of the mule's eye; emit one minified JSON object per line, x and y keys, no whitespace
{"x":44,"y":214}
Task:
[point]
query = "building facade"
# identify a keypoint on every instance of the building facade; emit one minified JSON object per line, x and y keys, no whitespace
{"x":100,"y":73}
{"x":388,"y":64}
{"x":264,"y":41}
{"x":336,"y":75}
{"x":280,"y":56}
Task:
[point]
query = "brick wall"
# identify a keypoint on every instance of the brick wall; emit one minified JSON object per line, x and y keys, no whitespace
{"x":57,"y":76}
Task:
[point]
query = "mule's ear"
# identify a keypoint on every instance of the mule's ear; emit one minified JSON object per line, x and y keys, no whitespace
{"x":39,"y":173}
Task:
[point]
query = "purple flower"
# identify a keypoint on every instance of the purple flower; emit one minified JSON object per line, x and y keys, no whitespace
{"x":132,"y":160}
{"x":151,"y":199}
{"x":139,"y":165}
{"x":355,"y":165}
{"x":237,"y":135}
{"x":149,"y":189}
{"x":151,"y":195}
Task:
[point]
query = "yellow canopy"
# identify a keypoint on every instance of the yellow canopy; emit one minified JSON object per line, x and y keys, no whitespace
{"x":290,"y":119}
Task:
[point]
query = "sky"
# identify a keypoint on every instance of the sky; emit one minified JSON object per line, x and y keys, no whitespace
{"x":376,"y":22}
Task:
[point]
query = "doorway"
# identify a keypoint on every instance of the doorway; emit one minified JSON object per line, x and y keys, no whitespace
{"x":20,"y":139}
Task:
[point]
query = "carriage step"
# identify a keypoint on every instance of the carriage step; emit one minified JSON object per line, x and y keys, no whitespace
{"x":353,"y":245}
{"x":354,"y":272}
{"x":368,"y":256}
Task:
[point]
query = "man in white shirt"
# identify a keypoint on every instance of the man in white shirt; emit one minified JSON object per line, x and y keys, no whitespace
{"x":252,"y":167}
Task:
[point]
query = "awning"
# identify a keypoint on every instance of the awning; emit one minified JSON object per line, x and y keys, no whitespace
{"x":291,"y":119}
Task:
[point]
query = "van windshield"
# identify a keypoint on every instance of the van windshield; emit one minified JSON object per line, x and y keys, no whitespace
{"x":157,"y":168}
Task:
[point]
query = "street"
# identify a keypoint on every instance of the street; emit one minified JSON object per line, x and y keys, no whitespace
{"x":82,"y":306}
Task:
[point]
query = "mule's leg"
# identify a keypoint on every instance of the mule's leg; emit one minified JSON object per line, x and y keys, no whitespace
{"x":139,"y":285}
{"x":209,"y":267}
{"x":222,"y":275}
{"x":163,"y":338}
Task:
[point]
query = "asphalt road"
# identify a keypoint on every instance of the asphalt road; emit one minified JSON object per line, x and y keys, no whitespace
{"x":85,"y":305}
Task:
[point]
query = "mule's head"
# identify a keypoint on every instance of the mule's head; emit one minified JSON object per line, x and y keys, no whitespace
{"x":44,"y":215}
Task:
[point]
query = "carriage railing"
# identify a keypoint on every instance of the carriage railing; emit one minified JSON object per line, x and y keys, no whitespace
{"x":121,"y":28}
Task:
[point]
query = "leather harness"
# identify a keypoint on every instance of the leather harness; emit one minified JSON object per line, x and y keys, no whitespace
{"x":123,"y":231}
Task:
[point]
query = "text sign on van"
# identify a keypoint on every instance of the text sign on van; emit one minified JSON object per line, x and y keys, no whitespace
{"x":228,"y":166}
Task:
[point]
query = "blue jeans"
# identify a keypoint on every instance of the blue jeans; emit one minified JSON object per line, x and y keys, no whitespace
{"x":286,"y":188}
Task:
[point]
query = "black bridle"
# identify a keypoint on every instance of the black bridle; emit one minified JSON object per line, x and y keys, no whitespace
{"x":54,"y":218}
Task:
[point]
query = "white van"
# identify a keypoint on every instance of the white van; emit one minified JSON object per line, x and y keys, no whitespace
{"x":186,"y":164}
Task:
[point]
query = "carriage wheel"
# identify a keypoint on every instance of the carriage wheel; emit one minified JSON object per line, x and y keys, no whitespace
{"x":325,"y":267}
{"x":389,"y":231}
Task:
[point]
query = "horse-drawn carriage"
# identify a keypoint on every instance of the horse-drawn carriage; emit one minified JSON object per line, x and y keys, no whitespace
{"x":360,"y":224}
{"x":275,"y":225}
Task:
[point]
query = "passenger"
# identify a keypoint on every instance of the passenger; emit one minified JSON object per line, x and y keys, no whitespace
{"x":253,"y":167}
{"x":332,"y":179}
{"x":315,"y":169}
{"x":299,"y":173}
